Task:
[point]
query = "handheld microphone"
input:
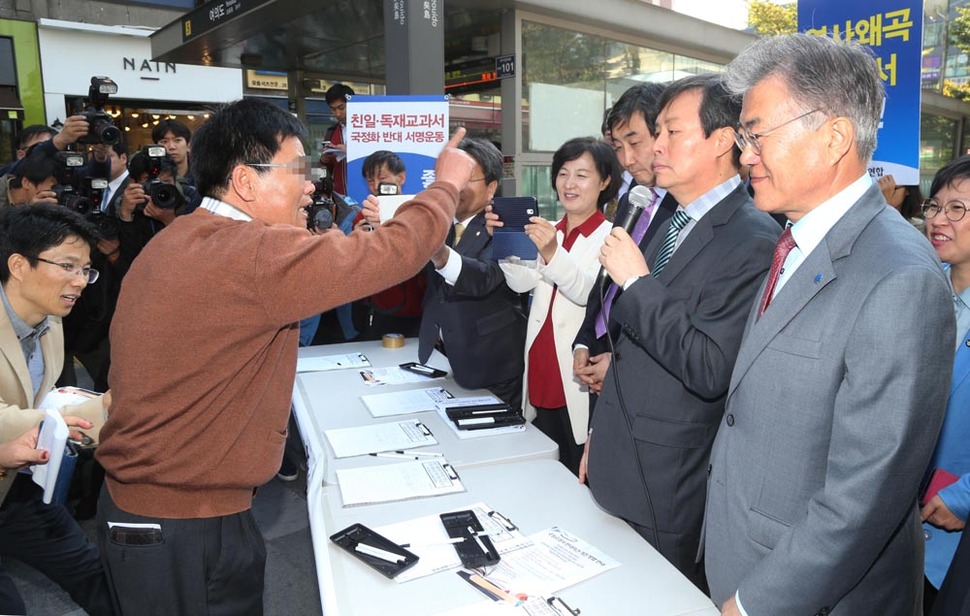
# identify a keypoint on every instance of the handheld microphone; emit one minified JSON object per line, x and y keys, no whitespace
{"x":640,"y":198}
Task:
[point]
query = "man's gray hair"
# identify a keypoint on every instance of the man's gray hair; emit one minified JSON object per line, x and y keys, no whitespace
{"x":840,"y":79}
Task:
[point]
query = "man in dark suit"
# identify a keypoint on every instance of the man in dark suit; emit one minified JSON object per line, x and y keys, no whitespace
{"x":632,"y":124}
{"x":681,"y":317}
{"x":118,"y":178}
{"x":838,"y":394}
{"x":469,"y":310}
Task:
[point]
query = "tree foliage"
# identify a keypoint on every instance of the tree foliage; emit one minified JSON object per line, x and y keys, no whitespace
{"x":960,"y":29}
{"x":767,"y":18}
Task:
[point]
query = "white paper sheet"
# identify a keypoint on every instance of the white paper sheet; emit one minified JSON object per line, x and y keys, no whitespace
{"x":362,"y":440}
{"x":331,"y":362}
{"x":395,"y":482}
{"x":426,"y":534}
{"x":392,"y":376}
{"x":65,"y":396}
{"x":555,"y":560}
{"x":53,"y":437}
{"x":404,"y":402}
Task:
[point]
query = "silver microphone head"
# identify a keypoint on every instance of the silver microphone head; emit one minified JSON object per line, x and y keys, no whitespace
{"x":640,"y":197}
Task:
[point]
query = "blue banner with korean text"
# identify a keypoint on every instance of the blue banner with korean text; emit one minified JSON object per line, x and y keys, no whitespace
{"x":413,"y":127}
{"x":893,"y":30}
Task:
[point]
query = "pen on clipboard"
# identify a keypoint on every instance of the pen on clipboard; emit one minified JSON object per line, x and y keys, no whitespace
{"x":504,"y":521}
{"x":403,"y":455}
{"x":431,"y":543}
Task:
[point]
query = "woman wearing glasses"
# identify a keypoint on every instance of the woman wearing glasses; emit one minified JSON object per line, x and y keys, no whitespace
{"x":585,"y":175}
{"x":945,"y":513}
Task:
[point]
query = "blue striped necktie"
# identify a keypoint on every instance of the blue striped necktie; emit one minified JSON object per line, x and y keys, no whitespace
{"x":678,"y":222}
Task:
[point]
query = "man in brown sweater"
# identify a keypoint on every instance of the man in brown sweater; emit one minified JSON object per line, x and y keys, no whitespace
{"x":204,"y":345}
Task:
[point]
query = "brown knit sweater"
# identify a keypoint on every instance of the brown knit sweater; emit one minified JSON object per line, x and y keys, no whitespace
{"x":204,"y":340}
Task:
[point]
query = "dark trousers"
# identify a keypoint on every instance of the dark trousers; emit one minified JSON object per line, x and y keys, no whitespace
{"x":555,"y":424}
{"x":48,"y":539}
{"x":954,"y":596}
{"x":669,"y":549}
{"x":509,"y":391}
{"x":191,"y":566}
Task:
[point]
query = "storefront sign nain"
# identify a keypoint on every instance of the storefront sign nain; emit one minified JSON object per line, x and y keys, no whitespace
{"x":148,"y":66}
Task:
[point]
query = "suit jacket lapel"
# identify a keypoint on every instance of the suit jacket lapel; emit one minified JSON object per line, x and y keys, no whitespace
{"x":813,"y":275}
{"x":13,"y":354}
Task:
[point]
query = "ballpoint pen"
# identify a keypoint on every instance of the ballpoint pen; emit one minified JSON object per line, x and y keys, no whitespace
{"x":399,"y":456}
{"x":430,"y":454}
{"x":432,"y":543}
{"x":481,"y":544}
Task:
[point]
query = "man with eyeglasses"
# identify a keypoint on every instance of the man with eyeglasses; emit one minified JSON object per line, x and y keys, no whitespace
{"x":204,"y":347}
{"x":828,"y":428}
{"x":684,"y":301}
{"x":44,"y":265}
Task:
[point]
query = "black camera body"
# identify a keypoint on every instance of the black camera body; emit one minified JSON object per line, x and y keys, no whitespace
{"x":320,"y":214}
{"x":102,"y":128}
{"x":164,"y":195}
{"x":70,"y":186}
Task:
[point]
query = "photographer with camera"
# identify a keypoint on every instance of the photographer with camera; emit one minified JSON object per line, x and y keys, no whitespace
{"x":329,"y":211}
{"x":175,"y":138}
{"x":31,"y":181}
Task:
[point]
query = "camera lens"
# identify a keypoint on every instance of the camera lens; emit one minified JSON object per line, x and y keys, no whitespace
{"x":165,"y":195}
{"x":109,"y":134}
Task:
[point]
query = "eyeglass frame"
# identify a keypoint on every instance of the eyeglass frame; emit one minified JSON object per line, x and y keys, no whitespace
{"x":743,"y":136}
{"x":933,"y":203}
{"x":302,"y":163}
{"x":90,"y":273}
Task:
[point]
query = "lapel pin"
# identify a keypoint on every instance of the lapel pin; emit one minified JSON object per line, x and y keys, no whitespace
{"x":818,"y":278}
{"x":968,"y":343}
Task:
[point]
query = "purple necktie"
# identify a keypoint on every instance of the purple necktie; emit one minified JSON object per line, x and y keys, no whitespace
{"x":639,"y":230}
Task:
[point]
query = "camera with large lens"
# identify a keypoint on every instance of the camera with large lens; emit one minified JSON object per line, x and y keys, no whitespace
{"x":67,"y":189}
{"x":106,"y":224}
{"x":321,"y":213}
{"x":102,"y":128}
{"x":164,"y":195}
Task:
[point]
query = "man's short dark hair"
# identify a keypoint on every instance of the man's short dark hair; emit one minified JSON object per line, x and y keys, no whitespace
{"x":380,"y":158}
{"x":139,"y":164}
{"x":643,"y":98}
{"x":120,"y":147}
{"x":37,"y":166}
{"x":29,"y":230}
{"x":242,"y":132}
{"x":486,"y":155}
{"x":171,"y":126}
{"x":604,"y":158}
{"x":338,"y":91}
{"x":29,"y":133}
{"x":719,"y":108}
